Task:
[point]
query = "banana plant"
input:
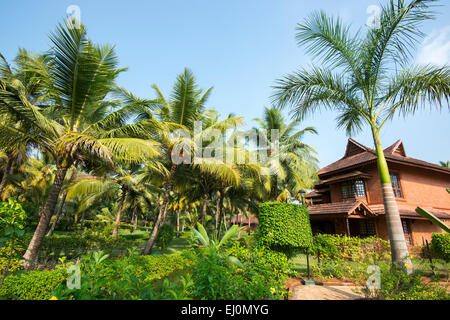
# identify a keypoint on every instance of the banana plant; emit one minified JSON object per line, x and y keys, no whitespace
{"x":212,"y":245}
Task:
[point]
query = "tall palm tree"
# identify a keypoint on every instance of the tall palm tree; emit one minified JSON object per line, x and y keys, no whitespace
{"x":368,"y":80}
{"x":185,"y":107}
{"x":296,"y":166}
{"x":76,"y":78}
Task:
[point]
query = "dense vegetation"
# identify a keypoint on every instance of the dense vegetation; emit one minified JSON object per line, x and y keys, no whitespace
{"x":92,"y":177}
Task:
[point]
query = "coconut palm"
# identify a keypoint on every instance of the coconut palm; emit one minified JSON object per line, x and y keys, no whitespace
{"x":185,"y":107}
{"x":76,"y":79}
{"x":120,"y":183}
{"x":367,"y":80}
{"x":296,"y":165}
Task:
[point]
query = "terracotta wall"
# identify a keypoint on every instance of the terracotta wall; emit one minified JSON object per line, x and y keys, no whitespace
{"x":419,"y":229}
{"x":422,"y":228}
{"x":419,"y":187}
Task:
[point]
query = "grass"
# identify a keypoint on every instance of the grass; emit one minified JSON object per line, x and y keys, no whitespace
{"x":300,"y":263}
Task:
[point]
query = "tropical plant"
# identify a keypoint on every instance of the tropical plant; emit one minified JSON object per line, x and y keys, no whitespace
{"x":72,"y":121}
{"x":368,"y":80}
{"x":296,"y":166}
{"x":186,"y":106}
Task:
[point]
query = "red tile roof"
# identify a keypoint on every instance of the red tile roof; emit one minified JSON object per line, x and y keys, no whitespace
{"x":361,"y":154}
{"x":349,"y":207}
{"x":344,"y":207}
{"x":313,"y":194}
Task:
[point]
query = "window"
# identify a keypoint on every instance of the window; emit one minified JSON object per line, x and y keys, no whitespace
{"x":407,"y":231}
{"x":348,"y":189}
{"x":366,"y":228}
{"x":396,"y":185}
{"x":360,"y":190}
{"x":353,"y":188}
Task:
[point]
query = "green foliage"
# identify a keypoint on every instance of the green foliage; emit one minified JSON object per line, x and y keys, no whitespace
{"x":351,"y":248}
{"x":130,"y":277}
{"x":201,"y":235}
{"x":165,"y":236}
{"x":284,"y":227}
{"x":12,"y":223}
{"x":397,"y":285}
{"x":11,"y":260}
{"x":240,"y":272}
{"x":347,"y":257}
{"x":78,"y":244}
{"x":440,"y":244}
{"x":33,"y":285}
{"x":153,"y":267}
{"x":12,"y":218}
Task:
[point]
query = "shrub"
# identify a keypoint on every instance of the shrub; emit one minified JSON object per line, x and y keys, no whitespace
{"x":33,"y":285}
{"x":284,"y":227}
{"x":132,"y":277}
{"x":158,"y":266}
{"x":165,"y":236}
{"x":395,"y":284}
{"x":80,"y":243}
{"x":440,"y":244}
{"x":347,"y":257}
{"x":240,"y":272}
{"x":14,"y":257}
{"x":351,"y":248}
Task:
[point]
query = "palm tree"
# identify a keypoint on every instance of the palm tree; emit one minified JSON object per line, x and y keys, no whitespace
{"x":76,"y":79}
{"x":368,"y":80}
{"x":118,"y":181}
{"x":185,"y":107}
{"x":445,"y":164}
{"x":296,"y":166}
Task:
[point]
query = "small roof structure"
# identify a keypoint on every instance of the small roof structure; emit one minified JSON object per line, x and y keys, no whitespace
{"x":348,"y":208}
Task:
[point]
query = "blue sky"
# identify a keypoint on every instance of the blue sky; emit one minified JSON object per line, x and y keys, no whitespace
{"x":238,"y":46}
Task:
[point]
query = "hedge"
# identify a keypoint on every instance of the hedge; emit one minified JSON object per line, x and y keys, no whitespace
{"x":284,"y":227}
{"x":33,"y":285}
{"x":440,"y":244}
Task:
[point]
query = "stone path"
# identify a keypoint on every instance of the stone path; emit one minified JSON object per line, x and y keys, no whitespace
{"x":315,"y":292}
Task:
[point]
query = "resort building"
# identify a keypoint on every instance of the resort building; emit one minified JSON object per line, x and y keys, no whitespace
{"x":348,"y":198}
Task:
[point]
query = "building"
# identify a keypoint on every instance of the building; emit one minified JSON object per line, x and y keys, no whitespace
{"x":348,"y":198}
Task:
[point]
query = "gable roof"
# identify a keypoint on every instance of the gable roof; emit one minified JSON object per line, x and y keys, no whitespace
{"x":345,"y":207}
{"x":357,"y":154}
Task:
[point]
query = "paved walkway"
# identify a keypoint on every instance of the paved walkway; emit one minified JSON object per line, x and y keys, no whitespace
{"x":315,"y":292}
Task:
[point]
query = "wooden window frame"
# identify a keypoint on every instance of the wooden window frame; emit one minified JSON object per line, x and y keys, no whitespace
{"x":399,"y":189}
{"x":353,"y":193}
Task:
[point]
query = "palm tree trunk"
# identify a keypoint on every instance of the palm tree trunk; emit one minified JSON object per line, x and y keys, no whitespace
{"x":119,"y":212}
{"x":162,"y":212}
{"x":61,"y":205}
{"x":178,"y":223}
{"x":82,"y":220}
{"x":220,"y":213}
{"x":205,"y":202}
{"x":399,"y":249}
{"x":240,"y":225}
{"x":135,"y":220}
{"x":31,"y":255}
{"x":7,"y":171}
